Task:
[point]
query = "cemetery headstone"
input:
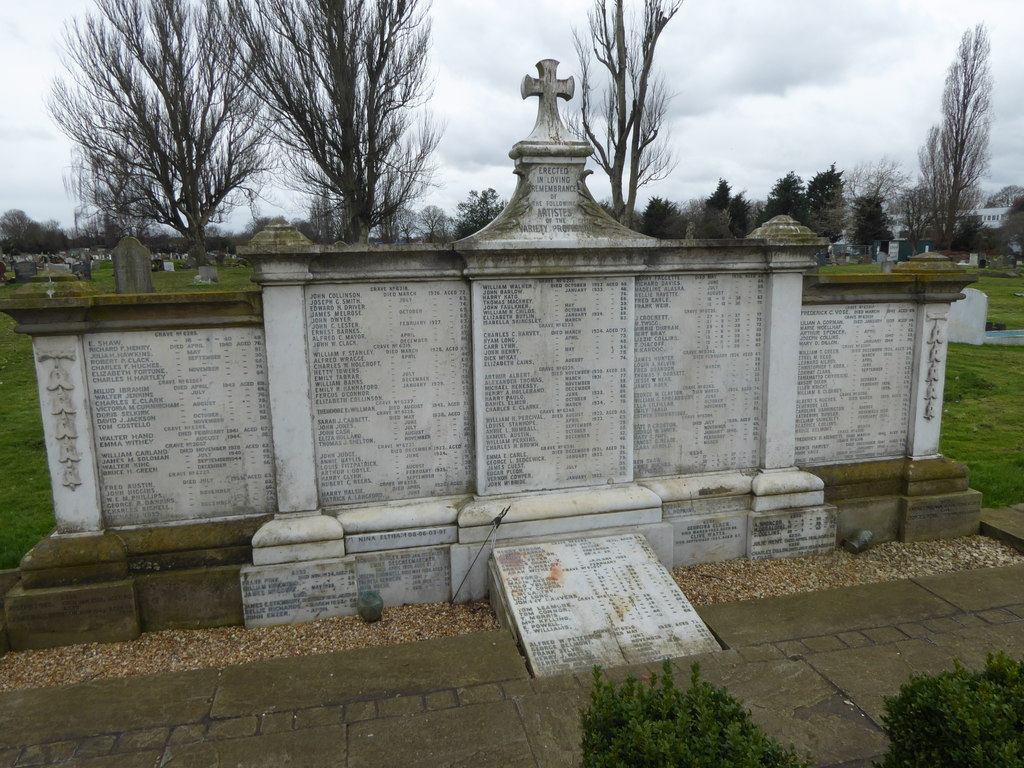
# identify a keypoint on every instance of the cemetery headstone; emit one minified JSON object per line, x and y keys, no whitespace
{"x":132,"y":267}
{"x":967,"y":318}
{"x":25,"y":271}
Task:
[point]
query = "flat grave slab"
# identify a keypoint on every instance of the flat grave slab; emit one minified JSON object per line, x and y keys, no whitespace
{"x":605,"y":600}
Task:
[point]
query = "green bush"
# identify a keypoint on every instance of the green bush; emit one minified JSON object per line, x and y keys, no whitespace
{"x":959,"y":719}
{"x":653,"y":725}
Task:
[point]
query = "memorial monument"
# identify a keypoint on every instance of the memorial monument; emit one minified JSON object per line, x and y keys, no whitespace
{"x":361,"y":421}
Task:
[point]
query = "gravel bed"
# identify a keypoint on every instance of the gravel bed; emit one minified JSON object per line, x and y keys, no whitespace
{"x":703,"y":584}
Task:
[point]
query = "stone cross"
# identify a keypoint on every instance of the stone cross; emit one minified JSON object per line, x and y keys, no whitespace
{"x":549,"y":88}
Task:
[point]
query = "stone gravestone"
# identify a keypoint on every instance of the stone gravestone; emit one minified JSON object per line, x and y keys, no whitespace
{"x":25,"y":271}
{"x":133,"y":270}
{"x":967,"y":318}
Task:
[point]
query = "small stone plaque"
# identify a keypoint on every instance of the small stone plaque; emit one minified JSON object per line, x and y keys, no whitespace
{"x":90,"y":613}
{"x":791,"y":533}
{"x":294,"y":592}
{"x":421,"y":575}
{"x":941,"y":517}
{"x":707,"y":538}
{"x":607,"y":601}
{"x":410,"y":537}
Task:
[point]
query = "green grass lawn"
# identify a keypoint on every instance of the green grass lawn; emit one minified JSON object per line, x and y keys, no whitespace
{"x":983,"y":420}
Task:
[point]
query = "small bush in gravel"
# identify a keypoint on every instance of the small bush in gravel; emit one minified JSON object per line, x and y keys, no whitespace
{"x":654,"y":725}
{"x":959,"y":719}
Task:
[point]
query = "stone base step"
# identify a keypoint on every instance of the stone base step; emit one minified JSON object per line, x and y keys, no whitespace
{"x":1005,"y":524}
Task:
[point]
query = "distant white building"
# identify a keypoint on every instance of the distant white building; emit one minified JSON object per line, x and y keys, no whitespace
{"x":992,"y":217}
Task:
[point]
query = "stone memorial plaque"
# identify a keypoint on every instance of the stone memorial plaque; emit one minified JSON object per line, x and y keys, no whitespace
{"x":294,"y":592}
{"x":553,"y":382}
{"x":854,"y":381}
{"x":181,"y":424}
{"x":940,"y":517}
{"x":697,"y":396}
{"x":421,"y":575}
{"x":707,"y":538}
{"x":390,"y":377}
{"x":410,"y":537}
{"x":608,"y":601}
{"x":791,"y":533}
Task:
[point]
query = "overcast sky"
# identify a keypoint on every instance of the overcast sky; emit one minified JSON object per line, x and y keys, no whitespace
{"x":761,"y":88}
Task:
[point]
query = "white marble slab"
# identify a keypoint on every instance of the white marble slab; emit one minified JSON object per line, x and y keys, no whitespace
{"x":698,"y":368}
{"x":709,"y":538}
{"x":791,"y":532}
{"x":420,"y":575}
{"x":407,"y":537}
{"x":855,"y":378}
{"x":553,"y":366}
{"x":586,"y":601}
{"x":294,"y":592}
{"x":390,"y":369}
{"x":181,"y":424}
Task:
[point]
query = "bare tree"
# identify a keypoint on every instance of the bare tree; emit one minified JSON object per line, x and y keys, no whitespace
{"x":342,"y":79}
{"x":913,"y":214}
{"x":624,"y":117}
{"x":1005,"y":197}
{"x":955,"y":155}
{"x":884,"y":179}
{"x":435,"y":226}
{"x":158,"y":106}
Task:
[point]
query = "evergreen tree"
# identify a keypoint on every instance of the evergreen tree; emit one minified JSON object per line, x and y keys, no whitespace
{"x":825,"y":205}
{"x":662,"y":218}
{"x":476,"y":212}
{"x":739,"y":215}
{"x":787,"y":198}
{"x":721,"y":197}
{"x":870,"y":221}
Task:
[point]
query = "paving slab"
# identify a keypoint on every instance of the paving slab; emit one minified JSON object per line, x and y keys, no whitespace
{"x":371,"y":673}
{"x":796,"y":705}
{"x":822,"y":613}
{"x":980,"y":589}
{"x":867,"y":675}
{"x":38,"y":715}
{"x":1005,"y":525}
{"x":308,"y":748}
{"x":552,"y":722}
{"x":480,"y":736}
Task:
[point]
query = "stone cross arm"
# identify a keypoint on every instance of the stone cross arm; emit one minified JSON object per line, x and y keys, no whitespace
{"x":549,"y":88}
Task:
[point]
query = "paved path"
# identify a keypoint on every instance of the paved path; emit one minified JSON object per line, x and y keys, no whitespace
{"x":813,"y":669}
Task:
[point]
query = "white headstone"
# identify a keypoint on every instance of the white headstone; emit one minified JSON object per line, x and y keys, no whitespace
{"x":967,"y":318}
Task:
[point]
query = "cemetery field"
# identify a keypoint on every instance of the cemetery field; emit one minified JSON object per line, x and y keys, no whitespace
{"x":983,"y":421}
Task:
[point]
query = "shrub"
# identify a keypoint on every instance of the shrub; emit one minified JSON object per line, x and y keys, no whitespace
{"x":654,"y":725}
{"x":959,"y":719}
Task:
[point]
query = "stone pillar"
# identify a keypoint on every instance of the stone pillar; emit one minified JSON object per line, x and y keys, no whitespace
{"x":67,"y":428}
{"x":780,"y":485}
{"x":299,"y":531}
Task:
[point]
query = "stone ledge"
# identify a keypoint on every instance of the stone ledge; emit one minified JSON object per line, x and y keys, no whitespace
{"x":1005,"y":525}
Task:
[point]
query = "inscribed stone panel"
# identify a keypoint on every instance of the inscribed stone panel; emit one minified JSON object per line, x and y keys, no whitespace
{"x":854,"y":381}
{"x":606,"y":600}
{"x":294,"y":592}
{"x":553,"y":382}
{"x":390,"y":378}
{"x":698,"y":373}
{"x":181,"y":424}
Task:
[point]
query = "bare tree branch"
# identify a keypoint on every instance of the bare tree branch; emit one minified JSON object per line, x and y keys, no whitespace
{"x":956,"y":155}
{"x":624,"y":118}
{"x":342,"y":79}
{"x":166,"y":129}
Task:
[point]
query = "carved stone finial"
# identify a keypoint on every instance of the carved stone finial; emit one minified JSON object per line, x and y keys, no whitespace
{"x":549,"y":88}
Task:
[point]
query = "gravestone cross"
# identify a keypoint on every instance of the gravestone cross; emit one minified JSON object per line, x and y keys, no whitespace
{"x":549,"y":88}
